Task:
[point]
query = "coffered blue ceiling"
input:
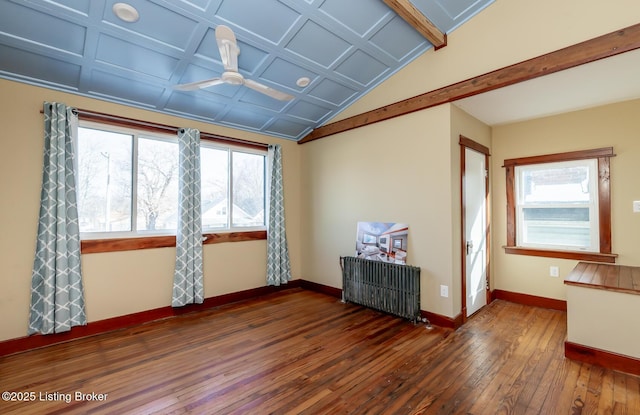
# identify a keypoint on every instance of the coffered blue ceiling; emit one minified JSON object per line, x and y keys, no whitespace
{"x":344,"y":47}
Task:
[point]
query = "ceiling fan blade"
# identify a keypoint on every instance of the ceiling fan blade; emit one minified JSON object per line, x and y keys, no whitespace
{"x":199,"y":84}
{"x":273,"y":93}
{"x":228,"y":46}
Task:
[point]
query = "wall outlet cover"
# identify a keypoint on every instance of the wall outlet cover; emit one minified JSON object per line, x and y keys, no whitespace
{"x":444,"y":291}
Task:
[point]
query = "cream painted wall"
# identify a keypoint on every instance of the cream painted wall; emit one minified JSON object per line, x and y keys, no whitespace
{"x":395,"y":171}
{"x":146,"y":274}
{"x":504,"y":33}
{"x":616,"y":125}
{"x":605,"y":328}
{"x":406,"y":170}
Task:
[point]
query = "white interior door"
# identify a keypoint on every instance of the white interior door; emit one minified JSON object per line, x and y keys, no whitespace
{"x":475,"y":230}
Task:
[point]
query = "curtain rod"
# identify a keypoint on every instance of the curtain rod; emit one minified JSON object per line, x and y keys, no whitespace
{"x":157,"y":127}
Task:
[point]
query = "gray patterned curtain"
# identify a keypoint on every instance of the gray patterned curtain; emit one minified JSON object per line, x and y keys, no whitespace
{"x":187,"y":281}
{"x":278,"y":265}
{"x":57,"y":298}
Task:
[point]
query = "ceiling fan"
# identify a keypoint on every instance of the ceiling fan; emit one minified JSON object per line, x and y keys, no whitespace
{"x":229,"y":52}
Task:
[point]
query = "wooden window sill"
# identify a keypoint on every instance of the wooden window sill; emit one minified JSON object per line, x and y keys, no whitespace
{"x":93,"y":246}
{"x":577,"y":255}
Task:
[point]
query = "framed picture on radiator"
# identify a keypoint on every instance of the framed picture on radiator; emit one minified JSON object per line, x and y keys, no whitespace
{"x":382,"y":241}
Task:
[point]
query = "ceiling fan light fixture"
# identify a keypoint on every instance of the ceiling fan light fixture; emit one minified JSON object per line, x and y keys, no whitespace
{"x":302,"y":82}
{"x":126,"y":12}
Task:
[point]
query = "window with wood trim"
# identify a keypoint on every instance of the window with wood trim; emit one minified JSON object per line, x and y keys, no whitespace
{"x":559,"y":205}
{"x":128,"y":185}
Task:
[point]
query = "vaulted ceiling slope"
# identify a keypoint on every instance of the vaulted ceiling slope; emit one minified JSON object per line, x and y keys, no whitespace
{"x":344,"y":47}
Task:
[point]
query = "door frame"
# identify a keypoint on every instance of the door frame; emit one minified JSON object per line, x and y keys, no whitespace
{"x":475,"y":146}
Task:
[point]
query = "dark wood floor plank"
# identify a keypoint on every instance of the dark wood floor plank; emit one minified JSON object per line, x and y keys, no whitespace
{"x":582,"y":386}
{"x":620,"y":391}
{"x":605,"y":405}
{"x":561,"y":401}
{"x":470,"y":381}
{"x":633,"y":395}
{"x":521,"y":365}
{"x":535,"y":358}
{"x":301,"y":352}
{"x":594,"y":390}
{"x":507,"y":362}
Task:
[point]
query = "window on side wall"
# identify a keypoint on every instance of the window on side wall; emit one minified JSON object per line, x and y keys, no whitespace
{"x":558,"y":205}
{"x":128,"y":184}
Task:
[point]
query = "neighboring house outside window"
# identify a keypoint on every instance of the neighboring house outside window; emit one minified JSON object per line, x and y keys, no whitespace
{"x":559,"y":205}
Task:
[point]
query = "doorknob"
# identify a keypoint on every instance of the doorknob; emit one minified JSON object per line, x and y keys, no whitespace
{"x":469,"y":247}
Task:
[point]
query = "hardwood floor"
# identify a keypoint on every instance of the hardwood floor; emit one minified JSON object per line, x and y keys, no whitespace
{"x":300,"y":352}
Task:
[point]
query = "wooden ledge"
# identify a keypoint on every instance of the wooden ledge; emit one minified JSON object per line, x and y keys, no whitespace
{"x":610,"y":277}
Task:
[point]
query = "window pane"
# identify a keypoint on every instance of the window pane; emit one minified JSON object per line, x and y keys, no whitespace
{"x":562,"y":183}
{"x":558,"y":205}
{"x":248,"y":189}
{"x":157,"y":185}
{"x":557,"y":226}
{"x":104,"y":180}
{"x":215,"y":187}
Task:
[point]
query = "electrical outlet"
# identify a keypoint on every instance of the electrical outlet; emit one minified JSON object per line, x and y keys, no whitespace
{"x":636,"y":206}
{"x":444,"y":291}
{"x":554,"y":271}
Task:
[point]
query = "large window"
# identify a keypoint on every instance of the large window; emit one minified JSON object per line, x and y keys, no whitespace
{"x":559,"y":205}
{"x":128,"y":184}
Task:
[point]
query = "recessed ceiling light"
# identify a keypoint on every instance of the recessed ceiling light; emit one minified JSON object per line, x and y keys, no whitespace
{"x":126,"y":12}
{"x":302,"y":82}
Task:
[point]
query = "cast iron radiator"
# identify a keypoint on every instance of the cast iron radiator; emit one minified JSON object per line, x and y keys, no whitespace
{"x":391,"y":288}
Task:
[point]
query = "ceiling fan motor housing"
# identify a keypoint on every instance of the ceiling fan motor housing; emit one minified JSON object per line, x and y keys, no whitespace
{"x":233,"y":78}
